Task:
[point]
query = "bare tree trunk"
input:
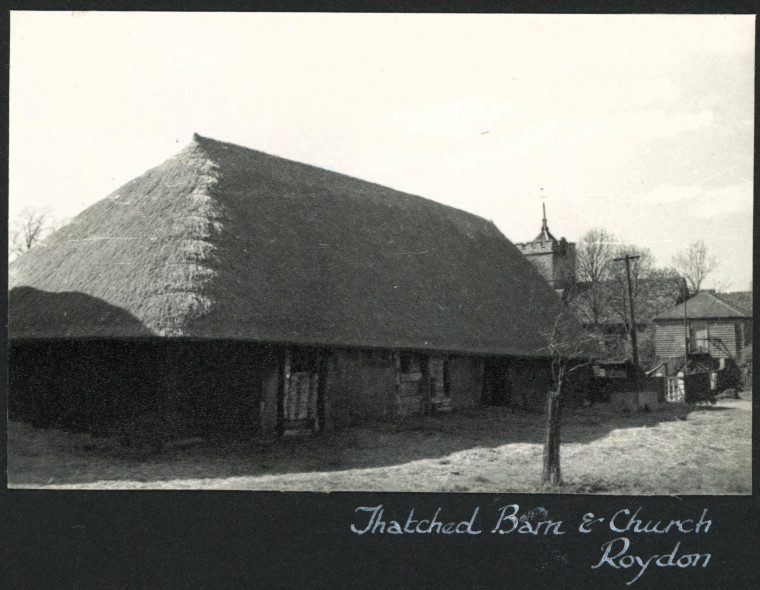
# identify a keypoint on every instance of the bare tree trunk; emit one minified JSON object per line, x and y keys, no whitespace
{"x":552,"y":474}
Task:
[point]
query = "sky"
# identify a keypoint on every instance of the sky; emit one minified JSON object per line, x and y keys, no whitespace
{"x":639,"y":124}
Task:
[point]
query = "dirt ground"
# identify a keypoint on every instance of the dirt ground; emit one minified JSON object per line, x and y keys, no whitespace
{"x":677,"y":449}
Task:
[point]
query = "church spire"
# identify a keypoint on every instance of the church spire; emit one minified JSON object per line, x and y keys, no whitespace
{"x":544,"y":227}
{"x":545,"y":235}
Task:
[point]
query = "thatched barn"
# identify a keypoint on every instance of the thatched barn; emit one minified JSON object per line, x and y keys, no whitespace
{"x":228,"y":290}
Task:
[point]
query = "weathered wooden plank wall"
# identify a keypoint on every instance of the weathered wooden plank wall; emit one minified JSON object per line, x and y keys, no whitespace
{"x":726,"y":338}
{"x":360,"y":385}
{"x":466,"y":375}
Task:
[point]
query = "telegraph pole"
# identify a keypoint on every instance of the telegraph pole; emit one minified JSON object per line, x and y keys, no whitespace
{"x":685,"y":329}
{"x":634,"y":343}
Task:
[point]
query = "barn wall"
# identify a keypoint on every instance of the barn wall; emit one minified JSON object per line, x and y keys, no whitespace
{"x":411,"y":386}
{"x":102,"y":386}
{"x":360,"y":385}
{"x":218,"y":387}
{"x":365,"y":385}
{"x":530,"y":380}
{"x":213,"y":386}
{"x":514,"y":382}
{"x":466,"y":382}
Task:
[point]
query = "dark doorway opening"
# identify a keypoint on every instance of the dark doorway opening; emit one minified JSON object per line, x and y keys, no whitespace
{"x":497,"y":384}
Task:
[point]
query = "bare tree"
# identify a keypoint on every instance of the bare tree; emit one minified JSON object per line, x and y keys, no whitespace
{"x":570,"y":350}
{"x":593,"y":269}
{"x":654,"y":290}
{"x":694,"y":264}
{"x":30,"y":227}
{"x":600,"y":298}
{"x":640,"y":268}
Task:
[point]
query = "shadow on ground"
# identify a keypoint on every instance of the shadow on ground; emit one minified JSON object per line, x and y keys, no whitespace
{"x":42,"y":457}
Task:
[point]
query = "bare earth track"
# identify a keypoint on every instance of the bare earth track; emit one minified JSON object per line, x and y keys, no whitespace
{"x":675,"y":450}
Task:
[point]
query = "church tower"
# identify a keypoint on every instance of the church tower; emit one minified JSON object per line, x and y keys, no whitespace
{"x":554,"y":259}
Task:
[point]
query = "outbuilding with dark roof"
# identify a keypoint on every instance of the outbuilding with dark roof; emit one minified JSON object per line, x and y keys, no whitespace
{"x":712,"y":323}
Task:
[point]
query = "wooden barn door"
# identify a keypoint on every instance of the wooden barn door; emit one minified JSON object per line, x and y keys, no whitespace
{"x":303,"y":383}
{"x":440,"y":387}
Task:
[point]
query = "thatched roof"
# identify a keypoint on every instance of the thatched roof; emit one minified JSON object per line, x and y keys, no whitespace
{"x":221,"y":241}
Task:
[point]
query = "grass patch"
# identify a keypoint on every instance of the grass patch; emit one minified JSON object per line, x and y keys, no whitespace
{"x":675,"y":450}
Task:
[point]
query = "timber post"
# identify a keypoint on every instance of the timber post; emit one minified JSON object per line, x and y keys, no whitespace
{"x":634,"y":341}
{"x":427,"y":394}
{"x":321,"y":405}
